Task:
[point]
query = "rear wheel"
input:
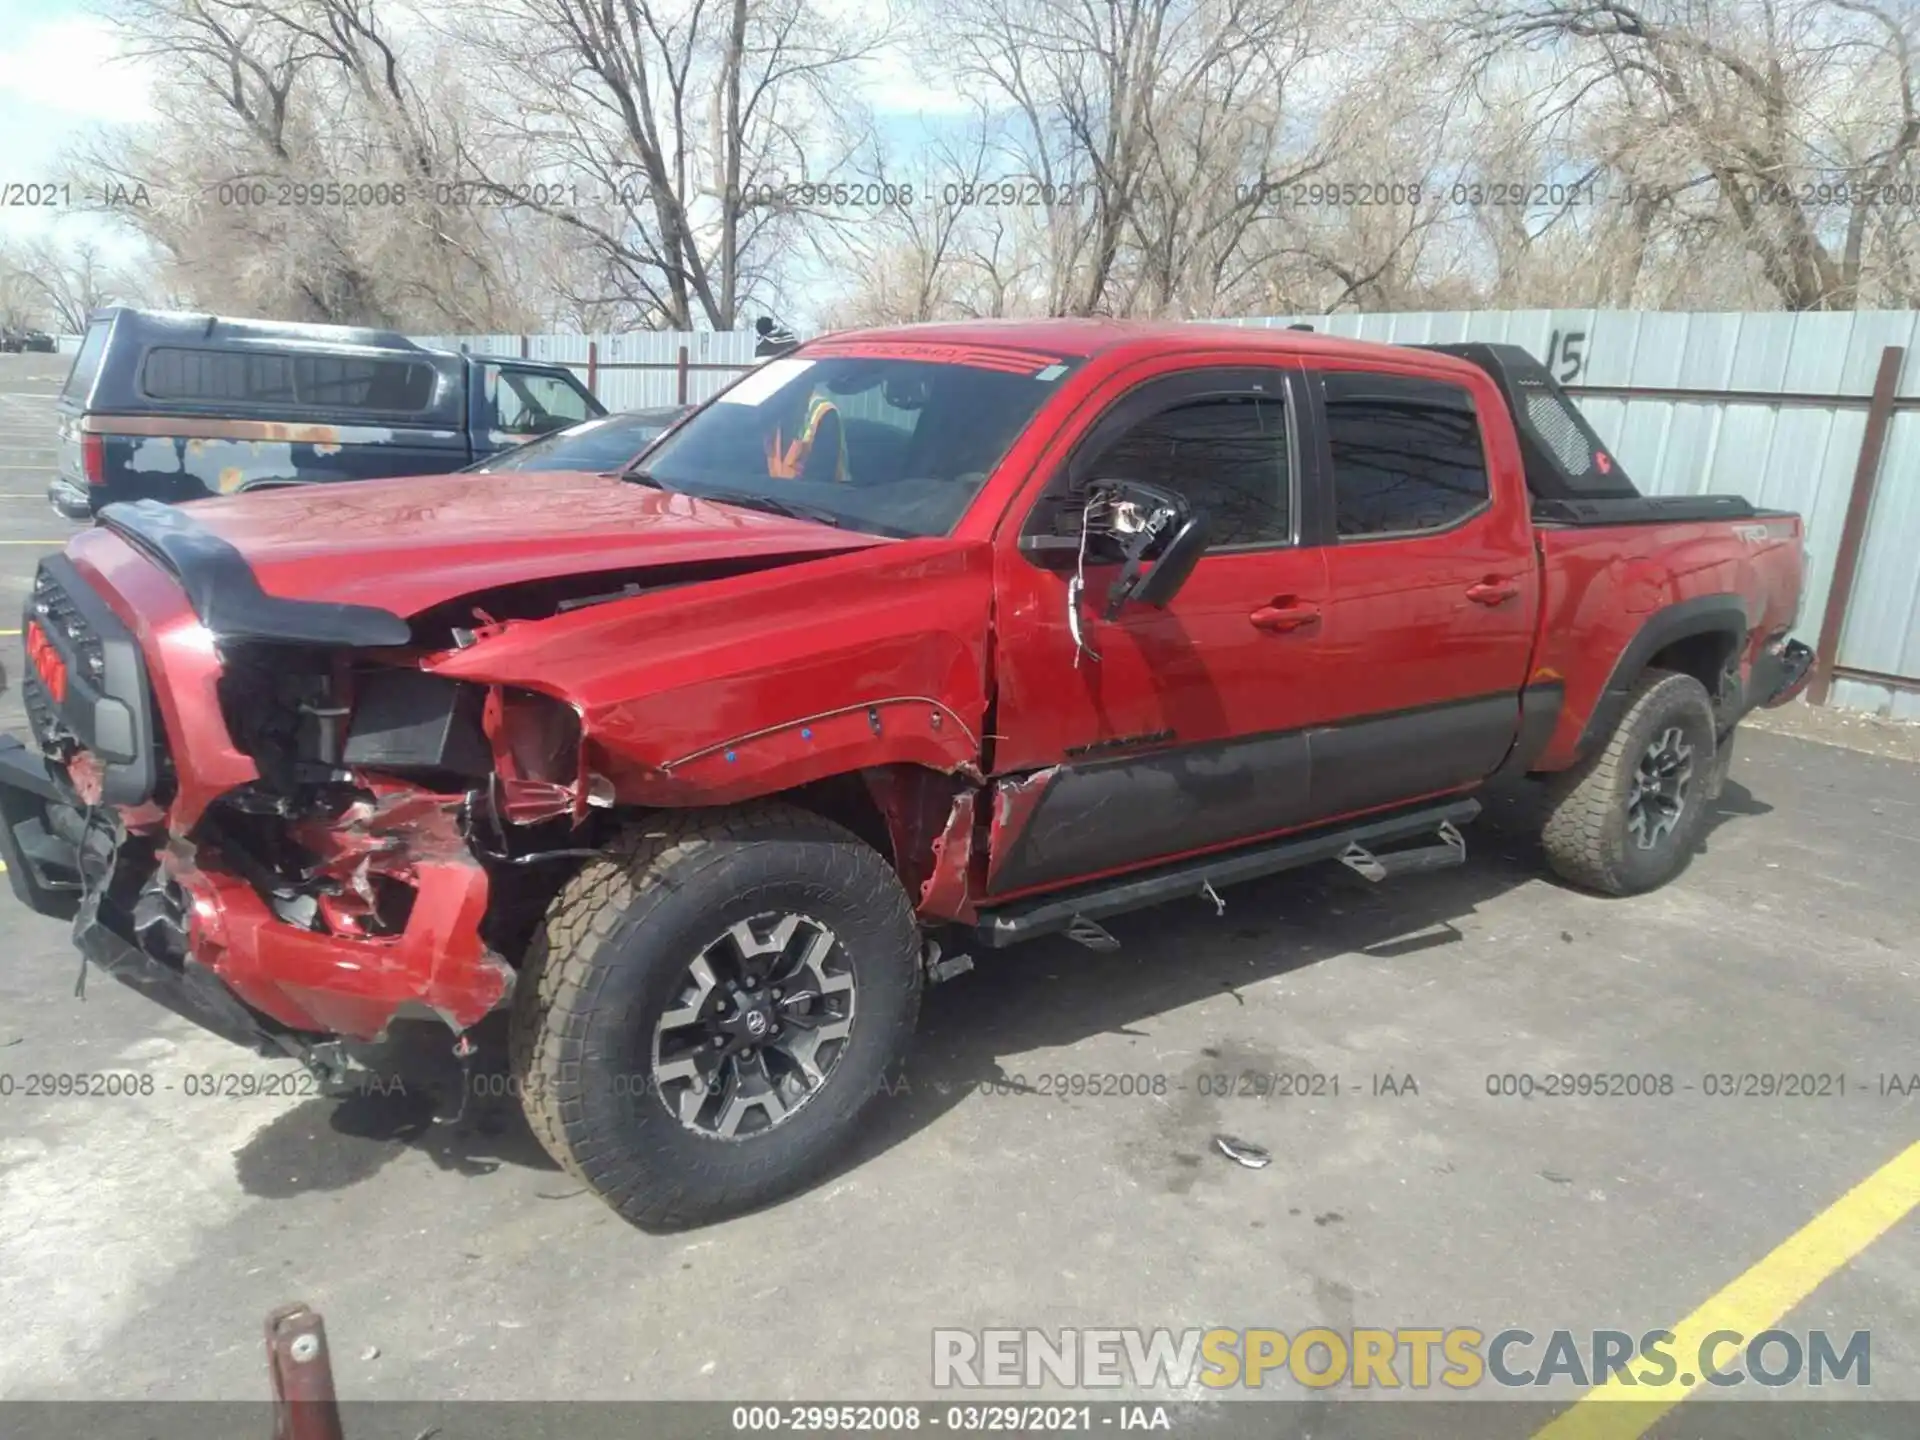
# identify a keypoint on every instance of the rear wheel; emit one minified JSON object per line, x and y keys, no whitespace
{"x":1629,"y":817}
{"x":710,"y":1006}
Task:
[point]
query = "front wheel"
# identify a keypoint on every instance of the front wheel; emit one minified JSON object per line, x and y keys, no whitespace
{"x":709,"y":1008}
{"x":1629,"y":817}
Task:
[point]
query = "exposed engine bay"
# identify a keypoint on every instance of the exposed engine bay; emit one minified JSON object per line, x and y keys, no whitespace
{"x":425,"y":820}
{"x":294,"y":816}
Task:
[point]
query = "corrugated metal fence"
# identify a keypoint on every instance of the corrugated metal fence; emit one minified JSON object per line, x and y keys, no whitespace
{"x":636,"y":371}
{"x":1775,"y":407}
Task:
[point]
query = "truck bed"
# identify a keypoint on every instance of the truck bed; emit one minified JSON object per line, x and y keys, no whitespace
{"x":1635,"y":575}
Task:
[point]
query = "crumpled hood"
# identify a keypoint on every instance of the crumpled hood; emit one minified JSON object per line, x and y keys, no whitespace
{"x":406,"y":545}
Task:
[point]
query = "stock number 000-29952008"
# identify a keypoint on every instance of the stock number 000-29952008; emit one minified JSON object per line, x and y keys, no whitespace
{"x":384,"y":194}
{"x":958,"y":1419}
{"x":1713,"y":1085}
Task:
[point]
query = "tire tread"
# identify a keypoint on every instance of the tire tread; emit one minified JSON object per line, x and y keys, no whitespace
{"x":610,"y":897}
{"x":1580,"y":834}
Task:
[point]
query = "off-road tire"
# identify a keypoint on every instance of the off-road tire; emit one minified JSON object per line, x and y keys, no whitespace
{"x":615,"y":945}
{"x":1586,"y":833}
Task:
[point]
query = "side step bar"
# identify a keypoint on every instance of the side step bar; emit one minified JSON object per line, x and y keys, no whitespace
{"x":1078,"y":908}
{"x":1452,"y":850}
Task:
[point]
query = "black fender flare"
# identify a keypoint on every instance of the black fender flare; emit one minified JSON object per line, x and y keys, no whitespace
{"x":1724,"y":614}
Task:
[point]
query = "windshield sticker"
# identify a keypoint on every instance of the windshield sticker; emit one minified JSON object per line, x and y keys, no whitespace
{"x":762,"y":383}
{"x":1052,"y":372}
{"x":981,"y":357}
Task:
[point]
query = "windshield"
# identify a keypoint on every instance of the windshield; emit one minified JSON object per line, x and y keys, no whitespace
{"x":893,"y":438}
{"x":608,"y":443}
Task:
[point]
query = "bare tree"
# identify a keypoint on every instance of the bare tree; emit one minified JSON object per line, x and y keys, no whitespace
{"x":20,"y":302}
{"x":1790,"y":126}
{"x":673,"y":130}
{"x":487,"y":165}
{"x":70,"y":280}
{"x":909,"y":251}
{"x":1134,"y":119}
{"x":303,"y":164}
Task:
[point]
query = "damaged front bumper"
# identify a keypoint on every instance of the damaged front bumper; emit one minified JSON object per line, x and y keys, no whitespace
{"x":171,"y":920}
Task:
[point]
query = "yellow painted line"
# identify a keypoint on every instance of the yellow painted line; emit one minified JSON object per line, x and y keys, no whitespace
{"x":1756,"y":1301}
{"x":9,"y":632}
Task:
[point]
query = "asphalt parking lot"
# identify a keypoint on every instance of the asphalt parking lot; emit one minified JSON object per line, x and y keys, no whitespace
{"x":143,"y":1237}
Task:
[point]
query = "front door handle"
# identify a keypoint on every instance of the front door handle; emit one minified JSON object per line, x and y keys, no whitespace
{"x":1492,"y":591}
{"x":1285,"y":613}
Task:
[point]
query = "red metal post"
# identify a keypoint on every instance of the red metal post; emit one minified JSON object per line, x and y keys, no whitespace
{"x":680,"y":366}
{"x":1853,"y":530}
{"x":304,"y":1404}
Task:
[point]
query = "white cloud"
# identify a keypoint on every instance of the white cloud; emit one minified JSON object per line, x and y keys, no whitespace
{"x":59,"y":75}
{"x":893,"y":87}
{"x":70,"y":71}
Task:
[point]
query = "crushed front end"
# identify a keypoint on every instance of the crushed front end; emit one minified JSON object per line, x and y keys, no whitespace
{"x":287,"y":837}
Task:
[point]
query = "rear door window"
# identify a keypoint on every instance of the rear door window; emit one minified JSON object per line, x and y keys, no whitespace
{"x":526,"y":402}
{"x":1407,"y":456}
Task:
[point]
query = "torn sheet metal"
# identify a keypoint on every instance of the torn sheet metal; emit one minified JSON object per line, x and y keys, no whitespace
{"x":352,"y":976}
{"x":949,"y":892}
{"x":1014,"y":802}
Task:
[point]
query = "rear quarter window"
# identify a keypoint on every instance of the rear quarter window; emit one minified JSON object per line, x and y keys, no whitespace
{"x":86,"y":364}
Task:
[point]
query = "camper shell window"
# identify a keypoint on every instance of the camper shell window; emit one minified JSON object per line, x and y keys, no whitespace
{"x":263,"y":377}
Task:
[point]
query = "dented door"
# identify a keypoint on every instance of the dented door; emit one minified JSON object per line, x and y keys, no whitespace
{"x":1175,"y":730}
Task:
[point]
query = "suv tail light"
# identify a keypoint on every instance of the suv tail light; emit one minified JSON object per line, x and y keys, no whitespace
{"x":93,"y":459}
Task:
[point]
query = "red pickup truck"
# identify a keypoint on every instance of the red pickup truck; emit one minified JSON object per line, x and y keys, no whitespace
{"x":910,"y":641}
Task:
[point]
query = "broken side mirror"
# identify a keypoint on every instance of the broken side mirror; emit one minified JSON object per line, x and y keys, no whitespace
{"x":1175,"y":563}
{"x":1144,"y":522}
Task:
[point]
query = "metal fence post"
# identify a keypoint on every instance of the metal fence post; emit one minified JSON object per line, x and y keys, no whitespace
{"x":1853,"y":531}
{"x":680,"y":366}
{"x":593,"y":367}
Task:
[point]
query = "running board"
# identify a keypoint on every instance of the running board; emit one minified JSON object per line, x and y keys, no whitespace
{"x":1452,"y":850}
{"x":1077,"y":909}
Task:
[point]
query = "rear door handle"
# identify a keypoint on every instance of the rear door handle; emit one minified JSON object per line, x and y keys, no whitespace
{"x":1492,"y":591}
{"x":1285,"y":613}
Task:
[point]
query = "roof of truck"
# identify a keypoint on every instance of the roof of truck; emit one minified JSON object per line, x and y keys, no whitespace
{"x":189,"y":325}
{"x":1081,"y":338}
